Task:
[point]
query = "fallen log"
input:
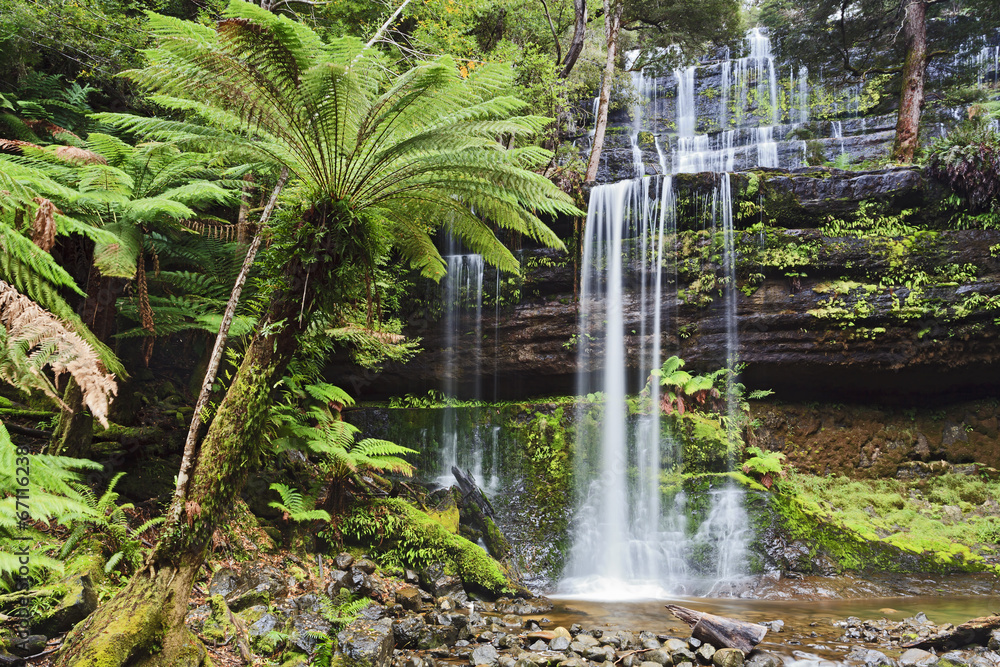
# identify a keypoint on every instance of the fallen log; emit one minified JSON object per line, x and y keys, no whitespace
{"x":719,"y":631}
{"x":975,"y":631}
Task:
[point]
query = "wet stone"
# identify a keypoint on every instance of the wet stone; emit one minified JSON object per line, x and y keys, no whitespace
{"x":29,"y":645}
{"x":763,"y":659}
{"x":560,"y":643}
{"x":916,"y":657}
{"x":659,"y":656}
{"x":363,"y":644}
{"x":673,"y":644}
{"x":705,"y":653}
{"x":869,"y":657}
{"x":683,"y":655}
{"x":407,"y":631}
{"x":693,"y":642}
{"x":366,"y":566}
{"x":343,"y":561}
{"x":484,"y":655}
{"x":728,"y":657}
{"x":575,"y":629}
{"x":408,"y":597}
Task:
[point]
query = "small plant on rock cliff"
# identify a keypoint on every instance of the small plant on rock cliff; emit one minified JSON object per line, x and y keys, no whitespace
{"x":765,"y":465}
{"x":351,"y":467}
{"x":680,"y":386}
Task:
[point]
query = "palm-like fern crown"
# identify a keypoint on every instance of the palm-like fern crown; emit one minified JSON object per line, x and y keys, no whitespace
{"x":410,"y":153}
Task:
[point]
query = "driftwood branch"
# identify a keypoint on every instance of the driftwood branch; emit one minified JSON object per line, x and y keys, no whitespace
{"x":720,"y":631}
{"x":975,"y":631}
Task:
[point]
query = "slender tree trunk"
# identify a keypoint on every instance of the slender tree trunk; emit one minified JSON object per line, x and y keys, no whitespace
{"x":911,"y":97}
{"x":612,"y":26}
{"x":150,"y":611}
{"x":579,"y":34}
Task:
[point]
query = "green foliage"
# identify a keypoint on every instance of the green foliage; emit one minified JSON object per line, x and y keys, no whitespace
{"x":108,"y":523}
{"x":968,"y":160}
{"x":296,"y":507}
{"x":403,"y":536}
{"x":764,"y":464}
{"x":384,"y":162}
{"x":309,"y":421}
{"x":905,"y":515}
{"x":51,"y":492}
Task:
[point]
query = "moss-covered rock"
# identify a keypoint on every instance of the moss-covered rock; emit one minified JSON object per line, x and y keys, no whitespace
{"x":404,"y":535}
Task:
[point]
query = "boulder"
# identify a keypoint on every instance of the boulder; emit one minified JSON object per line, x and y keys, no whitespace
{"x":484,"y":655}
{"x":763,"y":659}
{"x":366,"y":644}
{"x":728,"y":657}
{"x":560,"y":643}
{"x":343,"y":561}
{"x":29,"y":645}
{"x":408,"y":597}
{"x":78,"y":603}
{"x":869,"y":657}
{"x":304,"y":631}
{"x":258,"y":585}
{"x":916,"y":657}
{"x":705,"y":653}
{"x":406,"y":631}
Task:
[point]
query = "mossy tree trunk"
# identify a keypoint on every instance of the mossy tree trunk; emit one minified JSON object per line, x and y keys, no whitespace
{"x":613,"y":22}
{"x":155,"y":600}
{"x":911,"y":97}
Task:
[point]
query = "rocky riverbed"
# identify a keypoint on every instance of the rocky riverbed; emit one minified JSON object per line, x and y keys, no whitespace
{"x":425,"y":618}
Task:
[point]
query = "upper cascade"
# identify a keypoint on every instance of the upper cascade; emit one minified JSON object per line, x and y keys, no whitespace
{"x":749,"y":109}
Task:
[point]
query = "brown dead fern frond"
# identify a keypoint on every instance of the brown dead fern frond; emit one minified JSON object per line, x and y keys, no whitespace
{"x":79,"y":156}
{"x":43,"y":227}
{"x":35,"y":339}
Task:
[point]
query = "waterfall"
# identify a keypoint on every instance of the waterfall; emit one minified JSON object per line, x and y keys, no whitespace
{"x":463,"y":297}
{"x":626,"y":543}
{"x":751,"y":82}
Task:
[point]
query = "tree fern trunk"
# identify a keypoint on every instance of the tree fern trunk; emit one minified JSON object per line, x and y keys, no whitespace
{"x":75,"y":432}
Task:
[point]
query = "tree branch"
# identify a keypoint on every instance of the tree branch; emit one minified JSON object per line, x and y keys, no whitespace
{"x":555,"y":37}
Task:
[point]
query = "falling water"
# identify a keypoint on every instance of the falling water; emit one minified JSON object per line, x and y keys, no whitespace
{"x":463,"y":300}
{"x":626,"y":543}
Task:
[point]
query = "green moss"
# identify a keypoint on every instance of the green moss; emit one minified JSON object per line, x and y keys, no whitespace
{"x":881,"y":525}
{"x":218,"y":626}
{"x":401,"y":534}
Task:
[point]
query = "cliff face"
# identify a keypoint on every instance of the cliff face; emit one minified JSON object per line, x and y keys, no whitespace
{"x":852,"y":286}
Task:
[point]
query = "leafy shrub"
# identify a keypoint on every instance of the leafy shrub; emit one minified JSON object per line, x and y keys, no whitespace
{"x":968,"y":160}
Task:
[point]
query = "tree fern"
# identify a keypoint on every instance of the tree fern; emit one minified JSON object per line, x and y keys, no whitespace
{"x":418,"y":152}
{"x":34,"y":339}
{"x":108,"y":523}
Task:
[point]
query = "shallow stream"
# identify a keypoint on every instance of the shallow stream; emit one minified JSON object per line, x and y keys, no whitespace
{"x":808,"y":607}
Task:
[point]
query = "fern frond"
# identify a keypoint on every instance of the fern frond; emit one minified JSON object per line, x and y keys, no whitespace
{"x":50,"y":343}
